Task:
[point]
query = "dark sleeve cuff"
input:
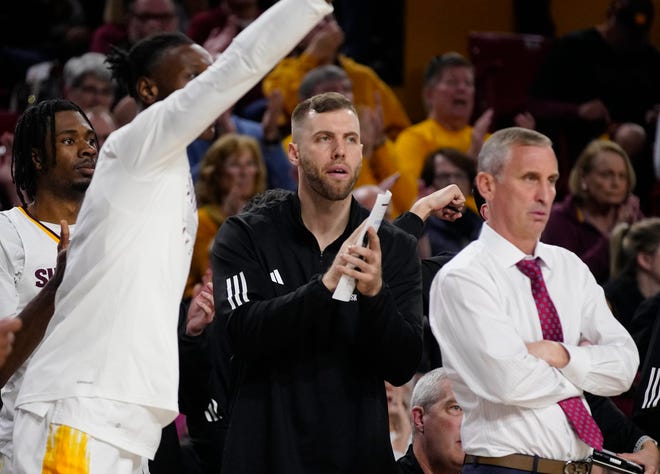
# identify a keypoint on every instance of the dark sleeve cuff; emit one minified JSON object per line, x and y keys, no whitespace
{"x":410,"y":223}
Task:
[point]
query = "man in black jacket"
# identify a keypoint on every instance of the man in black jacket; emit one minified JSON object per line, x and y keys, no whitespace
{"x":206,"y":371}
{"x":309,"y":393}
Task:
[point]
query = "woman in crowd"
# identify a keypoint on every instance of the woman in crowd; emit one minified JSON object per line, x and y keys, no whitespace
{"x":231,"y":173}
{"x":635,"y":268}
{"x":600,"y":197}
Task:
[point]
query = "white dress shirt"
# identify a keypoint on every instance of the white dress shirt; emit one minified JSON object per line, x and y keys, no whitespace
{"x":482,"y":312}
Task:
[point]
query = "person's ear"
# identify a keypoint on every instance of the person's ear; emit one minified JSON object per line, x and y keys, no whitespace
{"x":36,"y":160}
{"x":147,"y":90}
{"x":485,"y":183}
{"x":293,"y":154}
{"x":417,"y":413}
{"x":644,"y":261}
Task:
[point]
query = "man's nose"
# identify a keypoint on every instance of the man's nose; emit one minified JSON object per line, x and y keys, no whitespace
{"x":546,"y":192}
{"x":339,"y":150}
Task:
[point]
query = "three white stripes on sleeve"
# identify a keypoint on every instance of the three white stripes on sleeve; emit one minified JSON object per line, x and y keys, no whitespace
{"x":237,"y":288}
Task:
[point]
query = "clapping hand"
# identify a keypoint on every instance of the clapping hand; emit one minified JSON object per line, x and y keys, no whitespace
{"x":202,"y":307}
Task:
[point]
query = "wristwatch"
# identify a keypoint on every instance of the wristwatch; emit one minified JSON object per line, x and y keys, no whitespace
{"x":640,"y":442}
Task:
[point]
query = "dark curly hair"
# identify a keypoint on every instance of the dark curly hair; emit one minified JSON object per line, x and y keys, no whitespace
{"x":128,"y":66}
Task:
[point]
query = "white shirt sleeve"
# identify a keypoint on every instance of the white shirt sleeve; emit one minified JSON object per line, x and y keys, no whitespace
{"x":482,"y":342}
{"x":605,"y":359}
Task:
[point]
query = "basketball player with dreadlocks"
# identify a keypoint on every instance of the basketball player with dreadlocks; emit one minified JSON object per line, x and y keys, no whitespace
{"x":54,"y":156}
{"x":104,"y":380}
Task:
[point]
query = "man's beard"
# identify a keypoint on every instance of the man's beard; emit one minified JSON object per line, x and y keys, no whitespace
{"x":324,"y":187}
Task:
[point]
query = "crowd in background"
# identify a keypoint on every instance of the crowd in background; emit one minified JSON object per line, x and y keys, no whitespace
{"x":596,"y":95}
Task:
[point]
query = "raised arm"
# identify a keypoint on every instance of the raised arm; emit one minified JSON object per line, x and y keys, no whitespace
{"x":186,"y":113}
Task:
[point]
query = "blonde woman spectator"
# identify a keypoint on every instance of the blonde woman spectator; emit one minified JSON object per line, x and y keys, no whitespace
{"x":231,"y":173}
{"x":600,"y":185}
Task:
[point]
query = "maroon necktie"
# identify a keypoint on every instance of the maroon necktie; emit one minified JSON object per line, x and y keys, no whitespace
{"x":578,"y":416}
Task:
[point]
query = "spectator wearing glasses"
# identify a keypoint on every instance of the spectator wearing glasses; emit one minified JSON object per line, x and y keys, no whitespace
{"x":443,"y":167}
{"x":142,"y":18}
{"x":87,"y":81}
{"x":148,"y":17}
{"x":436,"y":440}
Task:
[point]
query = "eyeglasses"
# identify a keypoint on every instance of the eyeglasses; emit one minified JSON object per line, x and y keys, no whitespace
{"x":91,"y":90}
{"x":147,"y":16}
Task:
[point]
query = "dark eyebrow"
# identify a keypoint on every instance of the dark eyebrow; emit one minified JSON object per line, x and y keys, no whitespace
{"x":71,"y":131}
{"x":66,"y":132}
{"x":323,"y":132}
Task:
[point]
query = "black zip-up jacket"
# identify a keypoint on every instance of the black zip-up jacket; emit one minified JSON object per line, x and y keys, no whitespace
{"x":308,"y":394}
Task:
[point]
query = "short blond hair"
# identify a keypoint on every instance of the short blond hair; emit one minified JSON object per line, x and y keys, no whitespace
{"x":208,"y":191}
{"x":585,"y":164}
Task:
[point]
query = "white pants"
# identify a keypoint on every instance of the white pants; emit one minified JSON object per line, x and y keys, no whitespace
{"x":5,"y":465}
{"x":42,"y":446}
